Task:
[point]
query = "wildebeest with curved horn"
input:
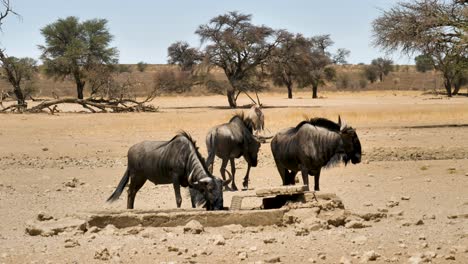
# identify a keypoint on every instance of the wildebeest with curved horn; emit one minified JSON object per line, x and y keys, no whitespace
{"x":230,"y":141}
{"x":311,"y":145}
{"x":256,"y":116}
{"x":176,"y":161}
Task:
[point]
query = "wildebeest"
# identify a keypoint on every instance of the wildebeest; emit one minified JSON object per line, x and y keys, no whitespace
{"x":311,"y":145}
{"x":176,"y":161}
{"x":257,"y":118}
{"x":230,"y":141}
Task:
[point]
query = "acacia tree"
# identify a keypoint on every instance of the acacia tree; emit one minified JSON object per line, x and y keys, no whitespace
{"x":238,"y":47}
{"x":433,"y":27}
{"x":424,"y":63}
{"x":382,"y":66}
{"x":72,"y":48}
{"x":180,"y":53}
{"x":18,"y":72}
{"x":286,"y":60}
{"x":317,"y":62}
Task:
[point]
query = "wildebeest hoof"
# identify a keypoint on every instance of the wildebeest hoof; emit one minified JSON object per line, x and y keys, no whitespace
{"x":227,"y":188}
{"x":234,"y":188}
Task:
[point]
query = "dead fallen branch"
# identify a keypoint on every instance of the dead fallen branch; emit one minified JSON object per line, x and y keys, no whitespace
{"x":94,"y":106}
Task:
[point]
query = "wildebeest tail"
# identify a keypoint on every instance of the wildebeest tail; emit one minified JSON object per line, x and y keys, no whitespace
{"x":123,"y":182}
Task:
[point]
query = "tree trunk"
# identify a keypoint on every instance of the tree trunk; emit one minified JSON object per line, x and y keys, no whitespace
{"x":20,"y":96}
{"x":314,"y":91}
{"x":79,"y":89}
{"x":231,"y":96}
{"x":448,"y":86}
{"x":381,"y":77}
{"x":290,"y":96}
{"x":456,"y":88}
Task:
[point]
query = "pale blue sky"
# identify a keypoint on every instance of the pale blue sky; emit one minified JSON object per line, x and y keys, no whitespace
{"x":144,"y":29}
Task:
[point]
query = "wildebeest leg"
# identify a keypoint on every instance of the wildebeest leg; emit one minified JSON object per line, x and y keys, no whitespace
{"x":136,"y":182}
{"x":223,"y":174}
{"x":305,"y":176}
{"x":177,"y":194}
{"x":245,"y":183}
{"x":233,"y":172}
{"x":291,"y":177}
{"x":317,"y":180}
{"x":210,"y":161}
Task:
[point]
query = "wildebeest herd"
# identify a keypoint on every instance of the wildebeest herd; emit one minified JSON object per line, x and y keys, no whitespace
{"x":305,"y":148}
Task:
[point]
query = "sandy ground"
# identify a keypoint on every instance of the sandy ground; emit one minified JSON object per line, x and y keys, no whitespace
{"x":415,"y":152}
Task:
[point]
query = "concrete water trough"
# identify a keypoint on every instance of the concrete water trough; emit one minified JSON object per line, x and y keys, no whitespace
{"x":271,"y":212}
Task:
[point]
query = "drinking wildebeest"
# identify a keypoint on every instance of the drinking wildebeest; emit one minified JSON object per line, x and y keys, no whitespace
{"x":311,"y":145}
{"x":230,"y":141}
{"x":176,"y":161}
{"x":256,"y":116}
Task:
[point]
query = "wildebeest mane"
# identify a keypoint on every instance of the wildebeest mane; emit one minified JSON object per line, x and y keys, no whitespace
{"x":247,"y":122}
{"x":320,"y":122}
{"x":194,"y":144}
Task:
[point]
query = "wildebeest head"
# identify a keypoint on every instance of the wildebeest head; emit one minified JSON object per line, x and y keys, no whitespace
{"x":351,"y":143}
{"x":251,"y":148}
{"x":212,"y":190}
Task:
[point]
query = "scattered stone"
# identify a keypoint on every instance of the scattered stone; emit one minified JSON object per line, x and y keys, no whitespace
{"x":311,"y":260}
{"x":396,"y":213}
{"x":335,"y":218}
{"x":109,"y":230}
{"x":70,"y":243}
{"x":450,"y":257}
{"x":270,"y":240}
{"x":424,"y":245}
{"x":322,"y":255}
{"x":172,"y":249}
{"x":372,"y":216}
{"x":422,"y":237}
{"x":242,"y":255}
{"x":419,"y":222}
{"x":275,"y":259}
{"x":405,"y":198}
{"x":345,"y":260}
{"x":429,"y":255}
{"x":415,"y":259}
{"x":72,"y":183}
{"x":382,"y":210}
{"x":193,"y":227}
{"x":54,"y":227}
{"x":371,"y":255}
{"x":235,"y":229}
{"x":356,"y":224}
{"x":219,"y":240}
{"x":45,"y":149}
{"x":102,"y":254}
{"x":253,"y":248}
{"x":398,"y":178}
{"x":426,"y":217}
{"x":42,"y":216}
{"x":392,"y":203}
{"x":368,"y":204}
{"x":428,"y":180}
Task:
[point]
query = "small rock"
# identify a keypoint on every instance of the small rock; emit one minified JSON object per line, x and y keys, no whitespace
{"x":311,"y":260}
{"x":398,"y":178}
{"x":93,"y":229}
{"x":102,"y":254}
{"x":219,"y":240}
{"x":382,"y":210}
{"x":371,"y":255}
{"x":242,"y":255}
{"x":273,"y":260}
{"x":415,"y":260}
{"x":322,"y":255}
{"x":172,"y":249}
{"x":368,"y":204}
{"x":405,"y":198}
{"x":428,"y":255}
{"x":424,"y":245}
{"x":70,"y":243}
{"x":253,"y":248}
{"x":42,"y":216}
{"x":356,"y":224}
{"x":270,"y":240}
{"x":426,"y":217}
{"x":45,"y":149}
{"x":345,"y":260}
{"x":419,"y":222}
{"x":422,"y":237}
{"x":428,"y":180}
{"x":450,"y":257}
{"x":392,"y":203}
{"x":193,"y":227}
